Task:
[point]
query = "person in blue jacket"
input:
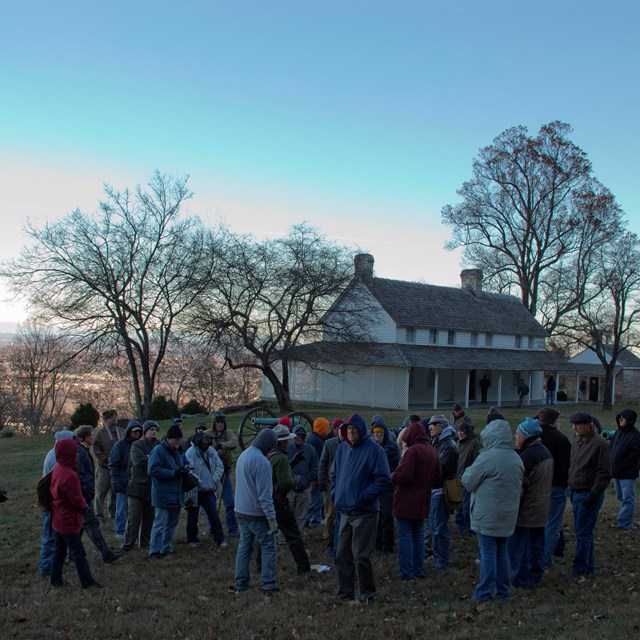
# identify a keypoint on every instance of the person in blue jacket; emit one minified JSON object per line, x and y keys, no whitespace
{"x":118,"y":466}
{"x":167,"y":468}
{"x":360,"y":475}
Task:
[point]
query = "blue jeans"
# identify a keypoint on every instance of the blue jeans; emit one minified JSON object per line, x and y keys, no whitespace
{"x":206,"y":500}
{"x":410,"y":547}
{"x":626,"y":494}
{"x":316,"y":507}
{"x":584,"y":520}
{"x":122,"y":509}
{"x":494,"y":569}
{"x":549,"y":397}
{"x":250,"y":531}
{"x":463,"y":515}
{"x":553,"y":527}
{"x":229,"y":505}
{"x":164,"y":526}
{"x":526,"y":555}
{"x":440,"y":533}
{"x":47,"y":545}
{"x":73,"y":543}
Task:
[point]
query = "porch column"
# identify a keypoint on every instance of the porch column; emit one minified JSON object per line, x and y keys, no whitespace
{"x":577,"y":387}
{"x":435,"y":389}
{"x":499,"y":390}
{"x":530,"y":387}
{"x":555,"y":391}
{"x":466,"y":393}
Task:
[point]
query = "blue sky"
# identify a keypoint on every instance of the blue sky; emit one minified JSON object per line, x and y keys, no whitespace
{"x":361,"y":117}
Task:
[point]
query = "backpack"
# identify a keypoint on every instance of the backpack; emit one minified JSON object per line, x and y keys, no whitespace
{"x":43,"y":492}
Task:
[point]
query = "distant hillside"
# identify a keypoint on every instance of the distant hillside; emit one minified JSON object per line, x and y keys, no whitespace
{"x":8,"y":328}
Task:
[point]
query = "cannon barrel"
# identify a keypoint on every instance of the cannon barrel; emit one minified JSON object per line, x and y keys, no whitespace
{"x":607,"y":434}
{"x":264,"y":422}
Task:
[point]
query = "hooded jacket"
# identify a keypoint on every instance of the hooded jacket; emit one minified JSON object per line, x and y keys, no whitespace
{"x":166,"y":487}
{"x":119,"y":459}
{"x":254,"y":484}
{"x":67,"y":503}
{"x":625,"y":447}
{"x":468,"y":450}
{"x":495,"y":482}
{"x":206,"y":465}
{"x":224,"y":442}
{"x":307,"y":467}
{"x":360,"y":473}
{"x":418,"y":469}
{"x":447,"y":451}
{"x":389,"y":443}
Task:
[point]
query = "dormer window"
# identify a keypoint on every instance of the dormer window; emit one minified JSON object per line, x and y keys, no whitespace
{"x":488,"y":339}
{"x":410,"y":335}
{"x":474,"y":338}
{"x":433,"y":336}
{"x":451,"y":337}
{"x":518,"y":342}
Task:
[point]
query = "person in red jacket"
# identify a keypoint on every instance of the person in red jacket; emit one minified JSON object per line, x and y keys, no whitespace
{"x":418,"y":470}
{"x":67,"y":507}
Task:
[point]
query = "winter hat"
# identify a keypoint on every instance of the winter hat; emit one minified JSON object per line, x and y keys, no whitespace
{"x":629,"y":415}
{"x":201,"y":424}
{"x":439,"y":419}
{"x":457,"y":407}
{"x":220,"y":417}
{"x":65,"y":434}
{"x":133,"y":424}
{"x":465,"y":427}
{"x":300,"y":431}
{"x":286,"y":421}
{"x":282,"y":433}
{"x":581,"y":417}
{"x":321,"y":427}
{"x":529,"y":428}
{"x":547,"y":416}
{"x":494,"y":415}
{"x":174,"y":431}
{"x":337,"y":423}
{"x":150,"y":424}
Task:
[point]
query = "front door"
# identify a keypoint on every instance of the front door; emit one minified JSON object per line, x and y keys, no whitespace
{"x":594,"y":389}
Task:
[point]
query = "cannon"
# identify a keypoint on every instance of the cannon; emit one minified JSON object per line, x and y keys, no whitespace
{"x":262,"y":418}
{"x":607,"y":434}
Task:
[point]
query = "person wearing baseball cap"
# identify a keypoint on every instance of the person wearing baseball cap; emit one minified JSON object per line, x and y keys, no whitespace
{"x":589,"y":476}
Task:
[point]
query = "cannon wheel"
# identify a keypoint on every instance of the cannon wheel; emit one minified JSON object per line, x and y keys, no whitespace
{"x":247,"y":430}
{"x":301,"y":418}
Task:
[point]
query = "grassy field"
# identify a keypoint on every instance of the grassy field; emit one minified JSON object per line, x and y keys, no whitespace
{"x":187,"y":596}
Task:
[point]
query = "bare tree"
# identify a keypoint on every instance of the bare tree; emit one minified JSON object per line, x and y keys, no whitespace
{"x":41,"y":364}
{"x":269,"y":296}
{"x":530,"y":214}
{"x":120,"y":280}
{"x":606,"y":320}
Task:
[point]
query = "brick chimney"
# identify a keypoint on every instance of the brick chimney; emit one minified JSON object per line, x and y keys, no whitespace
{"x":363,"y":263}
{"x":471,"y":279}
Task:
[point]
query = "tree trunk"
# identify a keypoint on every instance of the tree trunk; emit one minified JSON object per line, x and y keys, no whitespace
{"x":282,"y":394}
{"x":607,"y":400}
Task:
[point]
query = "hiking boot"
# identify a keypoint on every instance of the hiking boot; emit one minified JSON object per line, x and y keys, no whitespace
{"x":223,"y":545}
{"x":112,"y":557}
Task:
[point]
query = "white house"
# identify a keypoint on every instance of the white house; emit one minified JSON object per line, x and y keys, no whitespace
{"x":428,"y":346}
{"x":587,"y":381}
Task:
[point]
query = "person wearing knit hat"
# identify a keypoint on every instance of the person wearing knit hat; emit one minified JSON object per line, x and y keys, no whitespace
{"x":625,"y":461}
{"x":304,"y":463}
{"x":286,"y":421}
{"x":140,"y":513}
{"x":330,"y":529}
{"x":316,"y":439}
{"x":167,"y":469}
{"x":526,"y":545}
{"x":103,"y":443}
{"x":560,"y":449}
{"x":547,"y":416}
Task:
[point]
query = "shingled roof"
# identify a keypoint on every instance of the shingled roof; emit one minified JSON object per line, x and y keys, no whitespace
{"x":428,"y":356}
{"x":415,"y":304}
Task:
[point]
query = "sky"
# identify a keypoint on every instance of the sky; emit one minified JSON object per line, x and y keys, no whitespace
{"x":360,"y":117}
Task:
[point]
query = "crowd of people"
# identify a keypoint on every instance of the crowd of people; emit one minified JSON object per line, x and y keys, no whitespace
{"x":368,"y":486}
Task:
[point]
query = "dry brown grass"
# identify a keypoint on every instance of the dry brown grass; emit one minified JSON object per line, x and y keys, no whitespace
{"x":187,"y":596}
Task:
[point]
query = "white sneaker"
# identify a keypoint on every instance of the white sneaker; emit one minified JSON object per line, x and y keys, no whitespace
{"x":223,"y":545}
